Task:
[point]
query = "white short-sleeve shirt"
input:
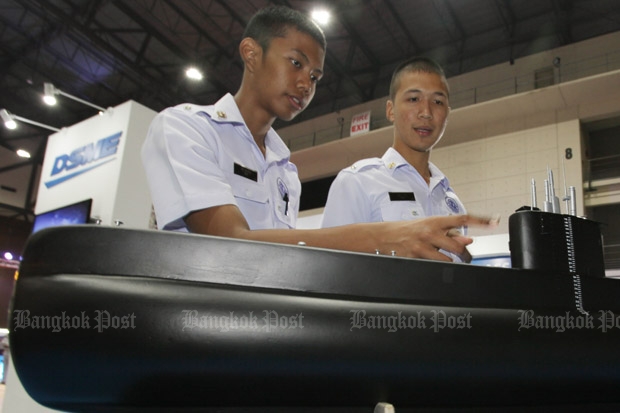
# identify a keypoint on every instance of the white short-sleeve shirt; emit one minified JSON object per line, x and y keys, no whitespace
{"x":197,"y":157}
{"x":388,"y":189}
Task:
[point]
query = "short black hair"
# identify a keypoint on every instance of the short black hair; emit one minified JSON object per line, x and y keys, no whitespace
{"x":416,"y":64}
{"x":273,"y":21}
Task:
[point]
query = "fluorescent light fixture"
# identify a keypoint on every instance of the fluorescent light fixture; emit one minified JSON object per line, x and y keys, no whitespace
{"x":9,"y":121}
{"x":321,"y":16}
{"x":50,"y":100}
{"x":49,"y":97}
{"x":22,"y":153}
{"x":193,"y":73}
{"x":50,"y":92}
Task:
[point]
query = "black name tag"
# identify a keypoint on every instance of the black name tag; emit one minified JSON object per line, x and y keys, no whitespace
{"x":402,"y":196}
{"x":245,"y":172}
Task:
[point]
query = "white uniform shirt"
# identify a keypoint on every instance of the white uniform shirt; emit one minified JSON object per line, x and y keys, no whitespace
{"x":388,"y":189}
{"x":198,"y":157}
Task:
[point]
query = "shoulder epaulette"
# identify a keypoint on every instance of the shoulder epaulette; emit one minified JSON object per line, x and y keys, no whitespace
{"x":364,"y":164}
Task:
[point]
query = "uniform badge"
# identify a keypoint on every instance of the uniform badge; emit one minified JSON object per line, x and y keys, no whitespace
{"x":452,"y":204}
{"x":221,"y":114}
{"x":282,"y":188}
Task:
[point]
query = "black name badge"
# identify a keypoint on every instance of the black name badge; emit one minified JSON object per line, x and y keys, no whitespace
{"x":402,"y":196}
{"x":245,"y":172}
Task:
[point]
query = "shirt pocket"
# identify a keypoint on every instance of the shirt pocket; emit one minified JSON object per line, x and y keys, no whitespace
{"x":250,"y":196}
{"x":401,"y":211}
{"x":285,"y":218}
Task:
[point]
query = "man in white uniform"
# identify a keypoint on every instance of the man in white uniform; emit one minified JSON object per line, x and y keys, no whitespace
{"x":202,"y":170}
{"x":222,"y":170}
{"x":403,"y":184}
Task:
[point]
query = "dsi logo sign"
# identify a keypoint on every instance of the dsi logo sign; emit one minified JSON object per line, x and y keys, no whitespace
{"x":94,"y":155}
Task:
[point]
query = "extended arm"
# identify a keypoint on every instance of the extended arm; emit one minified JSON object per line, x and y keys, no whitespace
{"x":416,"y":239}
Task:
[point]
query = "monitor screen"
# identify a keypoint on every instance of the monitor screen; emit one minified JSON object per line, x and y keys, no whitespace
{"x":78,"y":213}
{"x":500,"y":260}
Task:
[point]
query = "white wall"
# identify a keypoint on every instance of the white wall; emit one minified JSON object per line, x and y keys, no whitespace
{"x":132,"y":203}
{"x":493,"y":175}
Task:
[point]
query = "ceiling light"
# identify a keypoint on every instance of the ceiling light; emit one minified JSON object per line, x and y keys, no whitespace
{"x":9,"y":121}
{"x":22,"y":153}
{"x":321,"y":16}
{"x":50,"y":96}
{"x":50,"y":100}
{"x":193,"y":73}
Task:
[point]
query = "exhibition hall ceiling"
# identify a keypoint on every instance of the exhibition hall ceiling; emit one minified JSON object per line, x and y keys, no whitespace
{"x":109,"y":51}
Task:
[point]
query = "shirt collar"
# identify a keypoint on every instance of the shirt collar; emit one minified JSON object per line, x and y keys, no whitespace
{"x":437,"y":175}
{"x":394,"y":160}
{"x":226,"y":110}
